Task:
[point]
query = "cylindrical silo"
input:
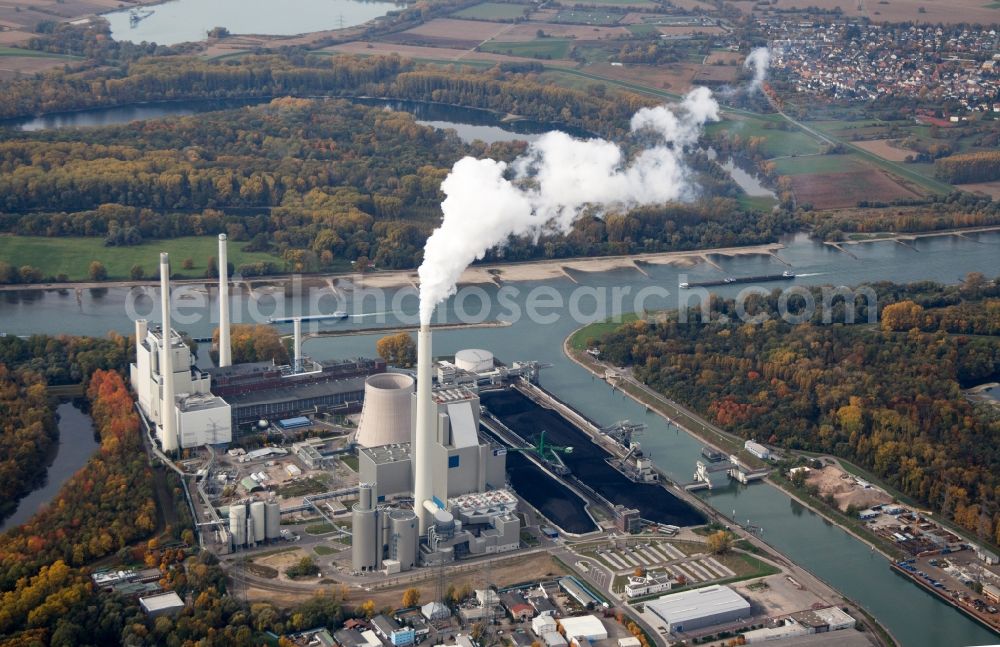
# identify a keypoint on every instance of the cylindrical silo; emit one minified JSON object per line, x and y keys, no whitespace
{"x":272,"y":521}
{"x":238,"y":524}
{"x":365,"y":496}
{"x":403,"y":538}
{"x":364,"y":539}
{"x":258,"y":515}
{"x":385,"y":415}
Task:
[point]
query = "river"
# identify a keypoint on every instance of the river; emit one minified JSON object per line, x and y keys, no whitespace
{"x":76,"y":444}
{"x":181,"y":21}
{"x":914,"y":617}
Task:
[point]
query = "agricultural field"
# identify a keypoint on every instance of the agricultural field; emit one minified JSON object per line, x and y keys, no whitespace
{"x":450,"y":33}
{"x":780,"y":143}
{"x":582,"y":17}
{"x":643,"y":29}
{"x":493,"y":11}
{"x":529,"y":31}
{"x":626,"y":4}
{"x":432,"y":54}
{"x":840,"y":190}
{"x":951,"y":12}
{"x":545,"y":48}
{"x":16,"y":62}
{"x":674,"y":78}
{"x":72,"y":256}
{"x":817,"y":164}
{"x":887,"y":149}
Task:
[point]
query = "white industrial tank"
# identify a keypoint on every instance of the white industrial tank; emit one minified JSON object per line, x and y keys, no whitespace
{"x":474,"y":360}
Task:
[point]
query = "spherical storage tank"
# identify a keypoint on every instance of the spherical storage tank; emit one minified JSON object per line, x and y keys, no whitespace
{"x":403,"y":545}
{"x":474,"y":360}
{"x":385,"y":415}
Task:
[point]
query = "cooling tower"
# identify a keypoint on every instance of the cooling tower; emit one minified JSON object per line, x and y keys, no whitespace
{"x":423,"y":438}
{"x":385,"y":416}
{"x":225,"y":349}
{"x":272,"y":517}
{"x":168,"y":420}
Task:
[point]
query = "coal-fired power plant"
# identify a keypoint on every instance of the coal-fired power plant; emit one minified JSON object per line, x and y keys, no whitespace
{"x":173,"y":393}
{"x":456,"y":480}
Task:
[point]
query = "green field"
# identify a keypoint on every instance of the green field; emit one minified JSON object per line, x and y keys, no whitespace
{"x":573,"y":17}
{"x":596,"y":330}
{"x":31,"y":53}
{"x":541,"y":48}
{"x":817,"y":164}
{"x":761,"y":203}
{"x":780,"y":143}
{"x":72,"y":256}
{"x":492,"y":11}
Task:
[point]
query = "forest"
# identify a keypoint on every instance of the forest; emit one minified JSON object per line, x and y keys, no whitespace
{"x":887,"y":396}
{"x":319,"y":183}
{"x":981,"y":166}
{"x":27,"y":434}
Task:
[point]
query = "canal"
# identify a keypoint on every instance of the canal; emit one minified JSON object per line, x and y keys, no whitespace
{"x":77,"y":442}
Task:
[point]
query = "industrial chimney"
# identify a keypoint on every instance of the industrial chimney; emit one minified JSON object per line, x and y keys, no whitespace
{"x":297,"y":327}
{"x":168,"y":422}
{"x":225,"y":349}
{"x":424,"y":434}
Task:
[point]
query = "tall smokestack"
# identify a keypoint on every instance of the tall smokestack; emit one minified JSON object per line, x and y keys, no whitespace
{"x":297,"y":325}
{"x":225,"y":349}
{"x":424,"y":436}
{"x":167,"y":416}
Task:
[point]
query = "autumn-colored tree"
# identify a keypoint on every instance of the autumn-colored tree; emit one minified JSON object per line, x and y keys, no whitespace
{"x":411,"y":597}
{"x":187,"y":264}
{"x":367,"y":608}
{"x":97,"y":271}
{"x":901,"y":316}
{"x":720,"y":542}
{"x":397,"y":350}
{"x":137,"y":273}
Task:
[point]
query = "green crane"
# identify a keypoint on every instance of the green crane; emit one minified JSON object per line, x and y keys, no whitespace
{"x":549,"y":454}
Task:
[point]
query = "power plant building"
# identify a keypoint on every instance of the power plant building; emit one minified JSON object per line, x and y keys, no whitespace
{"x":461,"y":506}
{"x":267,"y":391}
{"x":200,"y":418}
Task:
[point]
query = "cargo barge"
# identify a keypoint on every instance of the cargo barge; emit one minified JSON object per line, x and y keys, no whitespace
{"x":732,"y":280}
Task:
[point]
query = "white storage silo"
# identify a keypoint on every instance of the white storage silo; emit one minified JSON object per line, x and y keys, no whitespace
{"x":238,"y":524}
{"x":403,"y":538}
{"x":385,"y":415}
{"x":257,"y":514}
{"x":364,"y":532}
{"x":272,"y":519}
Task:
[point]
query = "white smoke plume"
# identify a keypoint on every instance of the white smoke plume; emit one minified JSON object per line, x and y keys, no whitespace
{"x":758,"y":61}
{"x":551,"y":184}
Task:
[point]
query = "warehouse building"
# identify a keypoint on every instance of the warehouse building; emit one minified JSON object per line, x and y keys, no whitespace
{"x":161,"y":605}
{"x":700,"y":608}
{"x":583,"y":628}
